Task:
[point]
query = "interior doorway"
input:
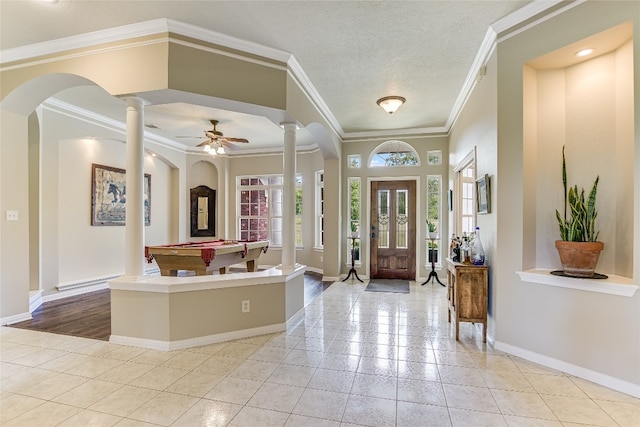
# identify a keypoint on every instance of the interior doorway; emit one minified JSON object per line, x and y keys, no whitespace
{"x":393,"y":230}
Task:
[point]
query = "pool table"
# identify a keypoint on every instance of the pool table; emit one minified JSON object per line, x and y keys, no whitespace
{"x":206,"y":257}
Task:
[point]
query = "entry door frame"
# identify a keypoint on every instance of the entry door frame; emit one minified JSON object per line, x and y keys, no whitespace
{"x":366,"y":238}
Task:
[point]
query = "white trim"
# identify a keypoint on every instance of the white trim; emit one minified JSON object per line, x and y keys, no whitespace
{"x":613,"y":285}
{"x":578,"y":371}
{"x":314,"y":270}
{"x":15,"y":319}
{"x":331,"y":278}
{"x":196,"y":342}
{"x":74,"y":292}
{"x":35,"y":300}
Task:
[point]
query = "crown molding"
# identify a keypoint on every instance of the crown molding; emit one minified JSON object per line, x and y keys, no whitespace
{"x":87,"y":116}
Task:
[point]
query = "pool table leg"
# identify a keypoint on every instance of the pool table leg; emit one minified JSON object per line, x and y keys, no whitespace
{"x":222,"y":270}
{"x":165,"y":272}
{"x":252,"y":266}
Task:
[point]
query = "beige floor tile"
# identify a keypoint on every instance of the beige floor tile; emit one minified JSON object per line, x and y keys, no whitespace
{"x":276,"y":397}
{"x":124,"y":353}
{"x":515,"y":381}
{"x":196,"y":384}
{"x":163,"y":409}
{"x":418,"y":371}
{"x":466,"y":418}
{"x":381,"y":386}
{"x":304,"y":358}
{"x":254,"y":370}
{"x":208,"y":413}
{"x":53,"y":386}
{"x":65,"y":363}
{"x":340,"y":362}
{"x":237,"y":350}
{"x":292,"y":375}
{"x":302,"y":421}
{"x":426,"y":392}
{"x":128,"y":422}
{"x":455,"y":358}
{"x":596,"y":391}
{"x":331,"y":380}
{"x":625,"y":414}
{"x":234,"y":390}
{"x":411,"y":414}
{"x":124,"y":401}
{"x":513,"y":421}
{"x":13,"y":405}
{"x":522,"y":404}
{"x":95,"y":366}
{"x":461,"y":375}
{"x":159,"y":378}
{"x":378,"y":366}
{"x":270,"y":354}
{"x":88,"y":393}
{"x":39,"y":357}
{"x":186,"y":360}
{"x":87,"y":418}
{"x":321,"y":404}
{"x":25,"y":379}
{"x":249,"y":416}
{"x":370,"y":411}
{"x":154,"y":357}
{"x":472,"y":398}
{"x":554,"y":384}
{"x":45,"y":415}
{"x":218,"y":365}
{"x":125,"y":372}
{"x":493,"y":362}
{"x":529,"y":367}
{"x":578,"y":410}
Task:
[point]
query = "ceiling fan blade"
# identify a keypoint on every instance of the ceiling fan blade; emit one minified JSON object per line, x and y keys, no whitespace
{"x":242,"y":140}
{"x":190,"y":136}
{"x":203,"y":143}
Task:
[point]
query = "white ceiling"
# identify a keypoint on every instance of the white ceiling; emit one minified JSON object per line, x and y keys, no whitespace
{"x":353,"y":52}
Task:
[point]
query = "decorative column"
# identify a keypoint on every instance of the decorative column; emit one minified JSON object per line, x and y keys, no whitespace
{"x":134,"y":226}
{"x":289,"y":197}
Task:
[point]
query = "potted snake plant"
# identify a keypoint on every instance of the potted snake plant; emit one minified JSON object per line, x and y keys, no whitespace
{"x":579,"y":248}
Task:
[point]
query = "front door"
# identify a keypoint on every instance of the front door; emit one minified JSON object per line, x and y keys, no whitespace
{"x":393,"y":230}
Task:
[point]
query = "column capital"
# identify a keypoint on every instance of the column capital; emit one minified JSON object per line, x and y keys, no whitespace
{"x":290,"y":125}
{"x":134,"y":101}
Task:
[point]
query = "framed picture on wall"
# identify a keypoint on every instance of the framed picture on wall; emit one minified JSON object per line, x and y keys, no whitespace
{"x":109,"y":196}
{"x":483,"y":195}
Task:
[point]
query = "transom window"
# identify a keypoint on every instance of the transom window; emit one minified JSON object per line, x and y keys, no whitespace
{"x":394,"y":153}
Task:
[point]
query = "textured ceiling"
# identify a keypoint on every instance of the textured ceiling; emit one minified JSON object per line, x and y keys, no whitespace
{"x":352,"y":52}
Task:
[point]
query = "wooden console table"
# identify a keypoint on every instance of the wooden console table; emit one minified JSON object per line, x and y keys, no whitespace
{"x":468,"y":294}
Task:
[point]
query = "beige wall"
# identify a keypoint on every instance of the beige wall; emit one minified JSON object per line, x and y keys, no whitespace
{"x":596,"y":333}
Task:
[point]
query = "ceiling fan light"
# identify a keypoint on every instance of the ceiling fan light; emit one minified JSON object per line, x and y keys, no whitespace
{"x":390,"y":104}
{"x":206,"y":148}
{"x":220,"y":150}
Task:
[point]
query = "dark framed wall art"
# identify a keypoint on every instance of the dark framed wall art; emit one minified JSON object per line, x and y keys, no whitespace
{"x":483,"y":195}
{"x":109,"y":196}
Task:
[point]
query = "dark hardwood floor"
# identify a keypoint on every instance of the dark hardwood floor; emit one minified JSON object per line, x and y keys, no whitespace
{"x":89,"y":315}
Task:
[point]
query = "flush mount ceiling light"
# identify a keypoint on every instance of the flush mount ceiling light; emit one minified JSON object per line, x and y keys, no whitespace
{"x":390,"y":104}
{"x":584,"y":52}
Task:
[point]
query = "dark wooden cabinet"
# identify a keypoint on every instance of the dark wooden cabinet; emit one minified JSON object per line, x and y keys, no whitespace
{"x":468,"y":294}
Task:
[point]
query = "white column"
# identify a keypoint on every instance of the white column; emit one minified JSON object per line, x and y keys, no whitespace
{"x":134,"y":228}
{"x":289,"y":197}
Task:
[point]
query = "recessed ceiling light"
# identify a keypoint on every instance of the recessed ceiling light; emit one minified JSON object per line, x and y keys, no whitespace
{"x":584,"y":52}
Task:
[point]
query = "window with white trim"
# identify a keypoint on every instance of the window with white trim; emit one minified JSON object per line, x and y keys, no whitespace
{"x":319,"y":225}
{"x":260,"y":207}
{"x":434,"y":207}
{"x":354,"y":215}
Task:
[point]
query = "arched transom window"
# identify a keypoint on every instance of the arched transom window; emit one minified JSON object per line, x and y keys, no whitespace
{"x":394,"y":153}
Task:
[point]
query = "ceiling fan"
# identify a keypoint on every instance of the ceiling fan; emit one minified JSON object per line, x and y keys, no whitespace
{"x":215,"y":141}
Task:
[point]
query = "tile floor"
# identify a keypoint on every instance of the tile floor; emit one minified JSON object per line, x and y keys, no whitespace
{"x":356,"y":359}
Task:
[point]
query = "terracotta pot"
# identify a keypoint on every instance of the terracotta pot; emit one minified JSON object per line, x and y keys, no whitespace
{"x":579,"y":259}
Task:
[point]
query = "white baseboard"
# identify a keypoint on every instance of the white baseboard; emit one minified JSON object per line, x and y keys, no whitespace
{"x":196,"y":342}
{"x":9,"y":320}
{"x":330,"y":278}
{"x":314,"y":269}
{"x":75,"y":291}
{"x":578,"y":371}
{"x":35,"y":300}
